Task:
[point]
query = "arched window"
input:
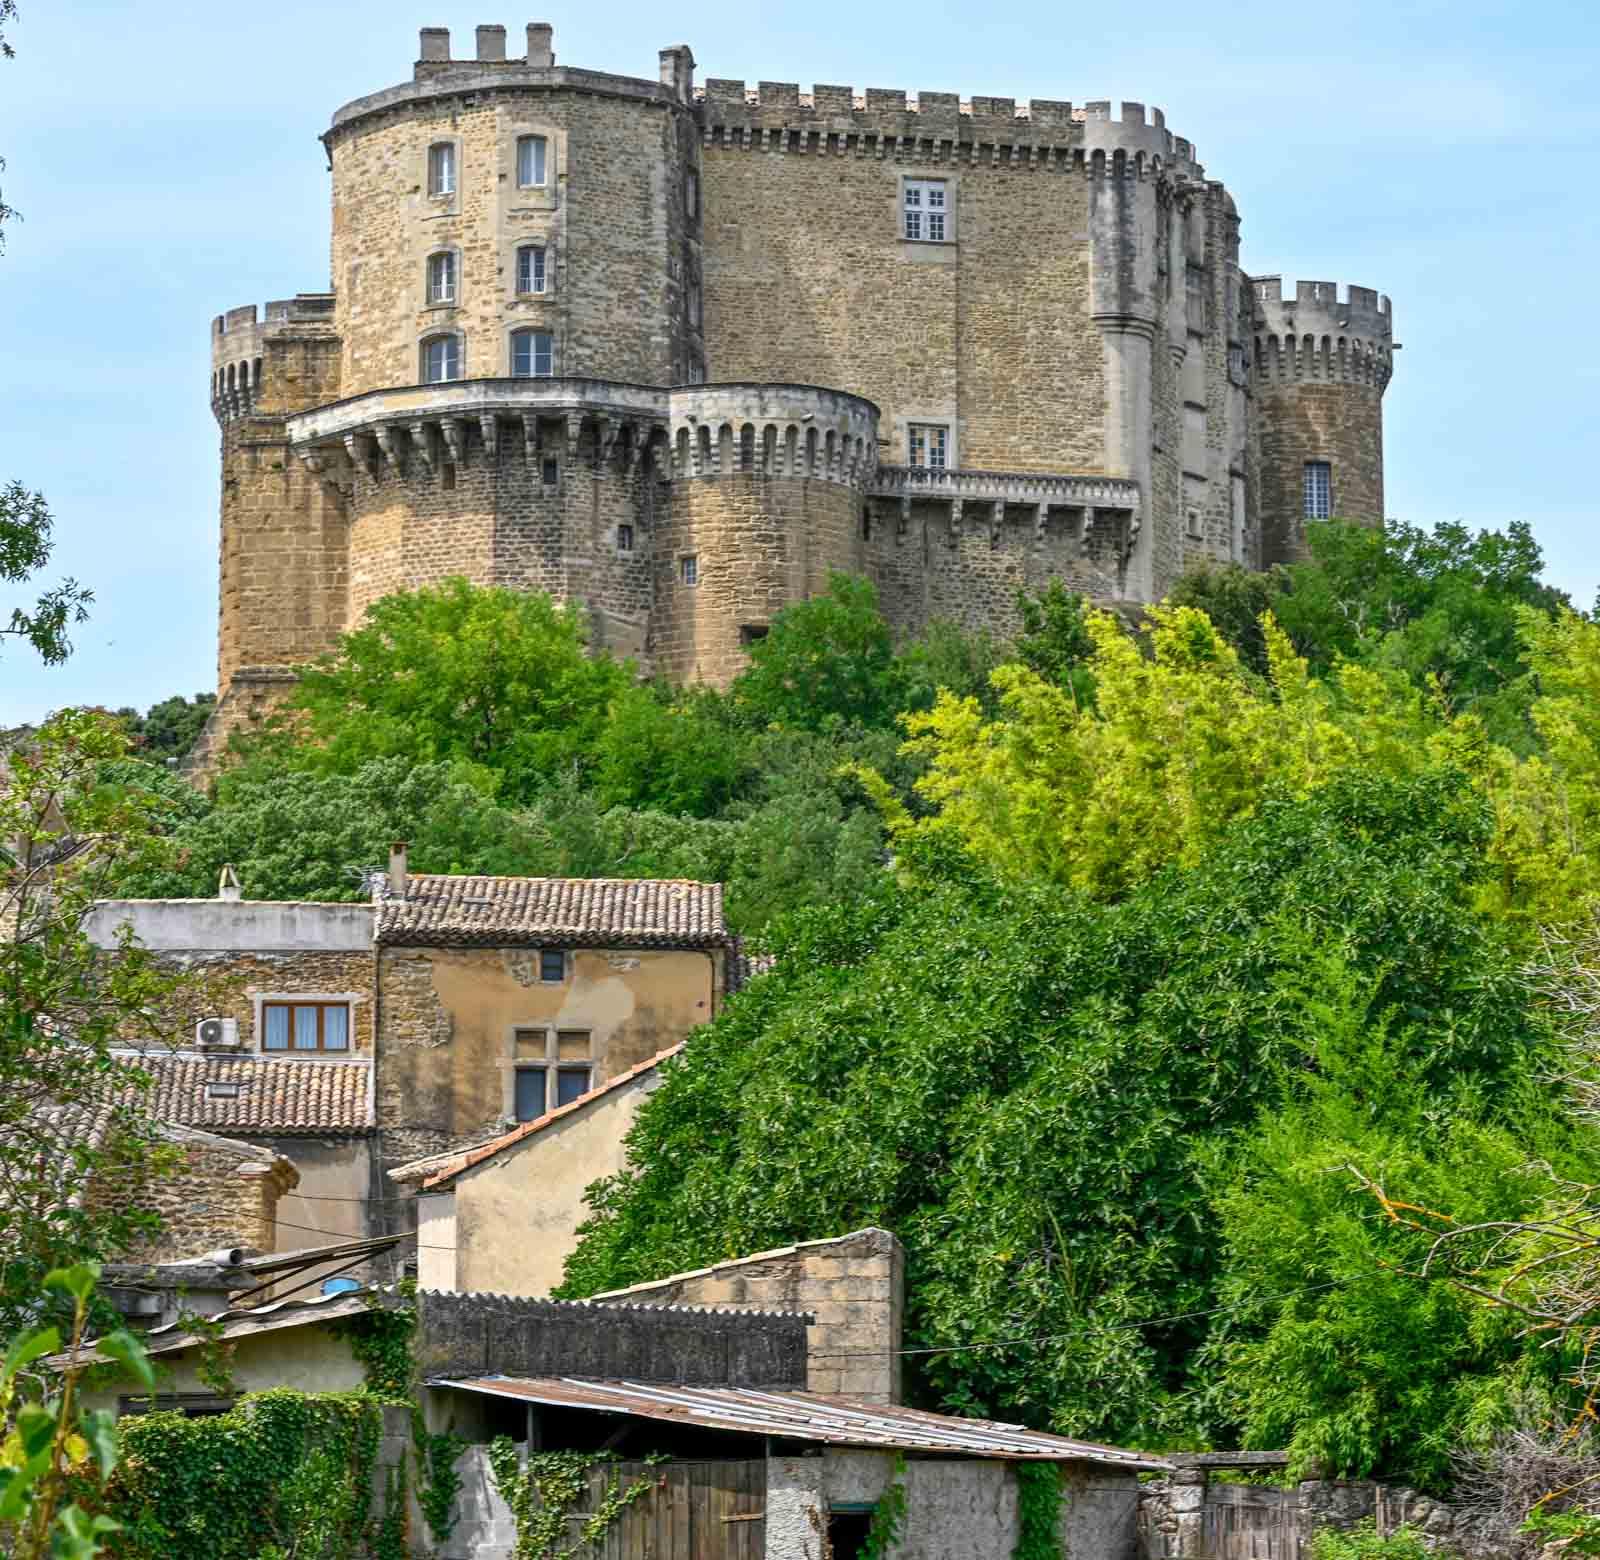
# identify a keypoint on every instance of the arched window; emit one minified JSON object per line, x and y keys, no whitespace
{"x":532,"y":277}
{"x":442,"y":168}
{"x":533,"y":354}
{"x":442,"y":277}
{"x":441,"y":359}
{"x":532,"y":162}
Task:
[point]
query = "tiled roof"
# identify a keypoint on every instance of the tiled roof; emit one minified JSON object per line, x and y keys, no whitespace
{"x":254,"y":1093}
{"x":439,"y":1169}
{"x":502,"y":912}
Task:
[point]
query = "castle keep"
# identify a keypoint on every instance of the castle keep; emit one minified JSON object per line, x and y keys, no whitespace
{"x":677,"y":353}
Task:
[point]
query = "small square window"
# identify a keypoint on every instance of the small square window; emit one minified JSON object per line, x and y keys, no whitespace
{"x":689,"y":569}
{"x":1318,"y":490}
{"x":552,"y":964}
{"x":624,"y":537}
{"x":531,"y":161}
{"x":752,"y":634}
{"x":551,"y":472}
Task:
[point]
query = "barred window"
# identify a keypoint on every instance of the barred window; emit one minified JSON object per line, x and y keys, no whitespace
{"x":926,"y":210}
{"x":1318,"y":490}
{"x":442,"y":277}
{"x":531,"y":160}
{"x":442,"y":168}
{"x":532,"y":354}
{"x":531,"y":269}
{"x":927,"y":444}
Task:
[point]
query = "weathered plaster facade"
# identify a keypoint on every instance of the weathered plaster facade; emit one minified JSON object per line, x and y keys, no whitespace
{"x":737,"y":338}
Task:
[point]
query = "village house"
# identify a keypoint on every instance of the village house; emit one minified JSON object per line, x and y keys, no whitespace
{"x":440,"y":1015}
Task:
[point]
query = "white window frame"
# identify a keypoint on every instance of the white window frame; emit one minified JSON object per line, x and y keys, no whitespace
{"x":538,"y":270}
{"x":538,"y":147}
{"x":1316,"y":490}
{"x":932,"y":437}
{"x":689,"y":569}
{"x":927,"y":214}
{"x":442,"y":171}
{"x":425,"y":347}
{"x":442,"y":279}
{"x":535,"y":335}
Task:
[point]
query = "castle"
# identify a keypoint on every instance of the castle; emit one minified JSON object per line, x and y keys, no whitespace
{"x":678,"y":353}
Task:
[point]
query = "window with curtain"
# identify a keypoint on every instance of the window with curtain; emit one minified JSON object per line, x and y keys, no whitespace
{"x":305,"y":1026}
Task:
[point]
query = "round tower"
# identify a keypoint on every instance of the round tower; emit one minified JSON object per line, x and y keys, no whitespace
{"x":499,"y":217}
{"x":1322,"y":363}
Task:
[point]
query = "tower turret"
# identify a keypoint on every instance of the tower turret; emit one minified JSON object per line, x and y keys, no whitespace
{"x":1322,"y":363}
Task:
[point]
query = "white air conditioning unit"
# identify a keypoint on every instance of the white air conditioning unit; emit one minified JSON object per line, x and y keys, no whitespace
{"x":216,"y":1032}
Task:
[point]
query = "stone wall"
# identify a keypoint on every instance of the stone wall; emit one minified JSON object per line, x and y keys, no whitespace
{"x":853,"y":1285}
{"x":1187,"y":1516}
{"x":211,"y":1193}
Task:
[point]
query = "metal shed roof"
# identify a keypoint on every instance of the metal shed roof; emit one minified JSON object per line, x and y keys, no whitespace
{"x":807,"y":1416}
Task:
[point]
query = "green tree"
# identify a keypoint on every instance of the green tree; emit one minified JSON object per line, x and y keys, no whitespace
{"x":826,"y":661}
{"x":291,"y":834}
{"x":1040,"y":1093}
{"x":68,"y":838}
{"x":1054,"y":641}
{"x":458,"y":673}
{"x":677,"y":751}
{"x":167,"y":730}
{"x":25,"y":548}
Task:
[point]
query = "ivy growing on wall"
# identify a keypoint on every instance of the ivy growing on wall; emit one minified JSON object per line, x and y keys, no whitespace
{"x":282,"y":1474}
{"x":1038,"y":1512}
{"x":542,"y":1493}
{"x":888,"y":1517}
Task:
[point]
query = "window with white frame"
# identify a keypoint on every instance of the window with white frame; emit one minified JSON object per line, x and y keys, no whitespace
{"x":442,"y":168}
{"x":689,"y":569}
{"x":532,"y":161}
{"x":926,"y":211}
{"x":1318,"y":490}
{"x":928,"y":444}
{"x":533,"y":354}
{"x":441,"y":359}
{"x":531,"y":273}
{"x":442,"y":277}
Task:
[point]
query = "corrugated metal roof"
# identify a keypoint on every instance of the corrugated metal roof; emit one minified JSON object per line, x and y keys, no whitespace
{"x":807,"y":1416}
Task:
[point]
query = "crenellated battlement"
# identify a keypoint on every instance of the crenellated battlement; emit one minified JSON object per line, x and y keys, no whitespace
{"x":777,"y":115}
{"x":240,"y":343}
{"x":1325,"y":332}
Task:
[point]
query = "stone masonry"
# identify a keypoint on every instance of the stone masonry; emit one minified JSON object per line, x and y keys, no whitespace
{"x":852,"y":1286}
{"x":676,"y":353}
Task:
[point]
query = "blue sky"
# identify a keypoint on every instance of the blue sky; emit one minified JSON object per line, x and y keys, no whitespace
{"x":166,"y":163}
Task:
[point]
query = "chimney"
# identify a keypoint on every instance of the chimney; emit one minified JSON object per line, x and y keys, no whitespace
{"x":398,"y":881}
{"x":228,"y":884}
{"x":491,"y":43}
{"x":434,"y":45}
{"x":677,"y":71}
{"x":541,"y":44}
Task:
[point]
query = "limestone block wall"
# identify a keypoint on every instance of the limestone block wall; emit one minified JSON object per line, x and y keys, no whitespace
{"x":1322,"y":364}
{"x":853,"y":1286}
{"x":612,"y":215}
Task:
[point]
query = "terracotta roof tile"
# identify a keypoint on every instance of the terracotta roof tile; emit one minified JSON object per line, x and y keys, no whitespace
{"x":256,"y":1094}
{"x":499,"y":912}
{"x":438,"y":1169}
